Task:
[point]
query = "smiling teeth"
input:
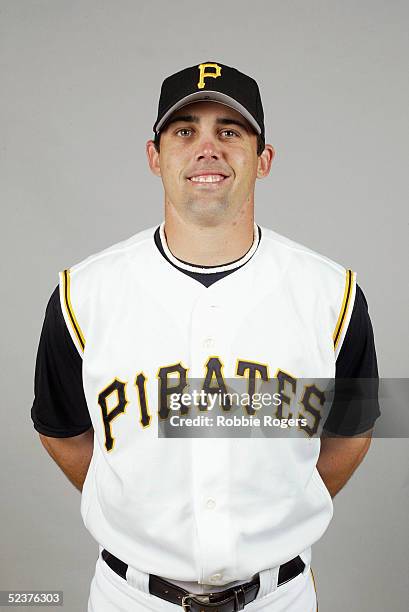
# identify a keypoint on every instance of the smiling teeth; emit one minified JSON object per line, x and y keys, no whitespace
{"x":210,"y":178}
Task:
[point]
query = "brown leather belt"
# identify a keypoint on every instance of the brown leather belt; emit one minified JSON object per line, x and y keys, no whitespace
{"x":230,"y":600}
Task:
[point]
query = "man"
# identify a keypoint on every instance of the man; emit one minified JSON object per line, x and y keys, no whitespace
{"x":225,"y":523}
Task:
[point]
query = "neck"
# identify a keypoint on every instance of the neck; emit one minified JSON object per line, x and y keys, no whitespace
{"x":209,"y":245}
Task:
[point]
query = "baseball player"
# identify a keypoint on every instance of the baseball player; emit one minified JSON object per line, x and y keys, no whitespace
{"x":199,"y":523}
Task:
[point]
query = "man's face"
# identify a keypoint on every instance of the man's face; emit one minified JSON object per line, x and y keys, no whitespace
{"x":208,"y":162}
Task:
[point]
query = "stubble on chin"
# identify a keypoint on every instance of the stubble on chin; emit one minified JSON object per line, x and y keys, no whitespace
{"x":207,"y":212}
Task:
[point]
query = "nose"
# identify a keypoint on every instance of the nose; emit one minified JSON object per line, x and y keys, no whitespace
{"x":208,"y":149}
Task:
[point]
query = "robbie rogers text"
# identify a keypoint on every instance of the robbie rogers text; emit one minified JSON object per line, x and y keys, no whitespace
{"x":234,"y":421}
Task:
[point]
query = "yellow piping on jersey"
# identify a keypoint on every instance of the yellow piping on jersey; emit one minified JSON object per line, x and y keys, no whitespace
{"x":315,"y":586}
{"x":70,"y":311}
{"x":344,"y":308}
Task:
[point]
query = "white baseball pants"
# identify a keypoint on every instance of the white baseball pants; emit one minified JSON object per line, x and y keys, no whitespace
{"x":111,"y":593}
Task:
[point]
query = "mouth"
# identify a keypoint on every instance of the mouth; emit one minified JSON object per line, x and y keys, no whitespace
{"x":207,"y":180}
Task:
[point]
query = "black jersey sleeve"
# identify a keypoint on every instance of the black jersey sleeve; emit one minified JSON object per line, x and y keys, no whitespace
{"x":59,"y":408}
{"x":357,"y":357}
{"x":355,"y":406}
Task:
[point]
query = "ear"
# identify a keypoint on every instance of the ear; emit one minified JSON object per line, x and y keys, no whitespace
{"x":153,"y":157}
{"x":264,"y":161}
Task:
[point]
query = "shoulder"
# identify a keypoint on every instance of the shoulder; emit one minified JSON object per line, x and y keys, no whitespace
{"x":321,"y":285}
{"x":300,"y":253}
{"x":311,"y":270}
{"x":112,"y":256}
{"x":99,"y":278}
{"x":105,"y":269}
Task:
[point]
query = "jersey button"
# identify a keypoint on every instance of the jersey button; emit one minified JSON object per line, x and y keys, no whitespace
{"x":210,"y":503}
{"x":208,"y":343}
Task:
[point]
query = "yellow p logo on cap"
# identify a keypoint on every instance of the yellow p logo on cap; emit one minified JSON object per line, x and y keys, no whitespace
{"x":204,"y":74}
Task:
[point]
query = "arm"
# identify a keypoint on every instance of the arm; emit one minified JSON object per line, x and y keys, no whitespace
{"x":339,"y":457}
{"x":60,"y":410}
{"x":341,"y":454}
{"x":72,"y":455}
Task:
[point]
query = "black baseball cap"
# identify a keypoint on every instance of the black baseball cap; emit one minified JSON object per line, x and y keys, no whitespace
{"x":211,"y":81}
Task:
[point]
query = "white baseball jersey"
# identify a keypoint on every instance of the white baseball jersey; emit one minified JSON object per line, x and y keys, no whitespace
{"x":206,"y":510}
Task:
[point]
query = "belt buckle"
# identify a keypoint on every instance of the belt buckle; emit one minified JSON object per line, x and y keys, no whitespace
{"x":202,"y":599}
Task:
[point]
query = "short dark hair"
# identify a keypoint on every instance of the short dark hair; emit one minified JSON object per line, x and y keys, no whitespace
{"x":260,"y":143}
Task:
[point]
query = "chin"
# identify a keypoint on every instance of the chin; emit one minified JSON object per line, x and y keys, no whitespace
{"x":207,"y":213}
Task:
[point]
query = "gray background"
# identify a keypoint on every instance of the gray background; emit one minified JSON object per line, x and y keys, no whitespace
{"x":80,"y":83}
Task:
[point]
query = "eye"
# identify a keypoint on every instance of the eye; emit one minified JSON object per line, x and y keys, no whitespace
{"x":183,"y":130}
{"x":231,"y":132}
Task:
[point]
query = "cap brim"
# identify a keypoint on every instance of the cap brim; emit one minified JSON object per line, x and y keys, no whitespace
{"x":210,"y":96}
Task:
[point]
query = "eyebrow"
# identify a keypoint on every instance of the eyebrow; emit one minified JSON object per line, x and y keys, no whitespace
{"x":196,"y":119}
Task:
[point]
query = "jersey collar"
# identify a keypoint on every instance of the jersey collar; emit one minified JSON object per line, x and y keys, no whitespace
{"x":208,"y":269}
